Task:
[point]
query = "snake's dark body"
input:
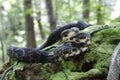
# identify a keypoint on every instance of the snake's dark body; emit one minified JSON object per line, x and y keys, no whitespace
{"x":30,"y":55}
{"x":65,"y":50}
{"x":55,"y":35}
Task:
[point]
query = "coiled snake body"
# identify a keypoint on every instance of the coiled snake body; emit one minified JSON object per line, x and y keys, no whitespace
{"x":72,"y":45}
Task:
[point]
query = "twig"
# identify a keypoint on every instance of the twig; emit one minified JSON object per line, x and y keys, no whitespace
{"x":6,"y":71}
{"x":65,"y":74}
{"x":62,"y":69}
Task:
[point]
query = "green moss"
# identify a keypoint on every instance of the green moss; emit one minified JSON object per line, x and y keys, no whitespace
{"x":19,"y":66}
{"x":96,"y":61}
{"x":69,"y":65}
{"x":103,"y":44}
{"x":71,"y":75}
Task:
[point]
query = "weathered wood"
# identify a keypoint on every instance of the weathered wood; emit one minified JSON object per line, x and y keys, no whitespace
{"x":114,"y":69}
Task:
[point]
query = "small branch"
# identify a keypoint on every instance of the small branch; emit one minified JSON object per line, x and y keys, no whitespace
{"x":7,"y":70}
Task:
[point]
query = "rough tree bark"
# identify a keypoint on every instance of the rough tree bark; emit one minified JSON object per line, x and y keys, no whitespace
{"x":86,"y":9}
{"x":51,"y":14}
{"x":30,"y":35}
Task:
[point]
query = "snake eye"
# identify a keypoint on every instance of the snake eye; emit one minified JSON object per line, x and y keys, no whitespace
{"x":65,"y":35}
{"x":71,"y":38}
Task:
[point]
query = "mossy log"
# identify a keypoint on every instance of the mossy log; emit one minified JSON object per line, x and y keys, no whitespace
{"x":92,"y":65}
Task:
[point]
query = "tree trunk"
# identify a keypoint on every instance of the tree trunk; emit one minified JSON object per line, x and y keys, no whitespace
{"x":51,"y":14}
{"x":86,"y":10}
{"x":30,"y":35}
{"x":99,"y":13}
{"x":38,"y":18}
{"x":1,"y":35}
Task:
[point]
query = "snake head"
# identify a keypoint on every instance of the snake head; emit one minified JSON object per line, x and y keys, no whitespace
{"x":68,"y":33}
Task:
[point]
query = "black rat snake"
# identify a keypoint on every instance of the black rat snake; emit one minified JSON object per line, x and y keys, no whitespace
{"x":72,"y":45}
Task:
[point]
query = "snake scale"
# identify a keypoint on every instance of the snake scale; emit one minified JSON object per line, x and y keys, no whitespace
{"x":74,"y":42}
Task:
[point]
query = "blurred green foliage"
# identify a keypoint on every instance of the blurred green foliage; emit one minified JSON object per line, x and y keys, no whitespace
{"x":12,"y":32}
{"x":12,"y":18}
